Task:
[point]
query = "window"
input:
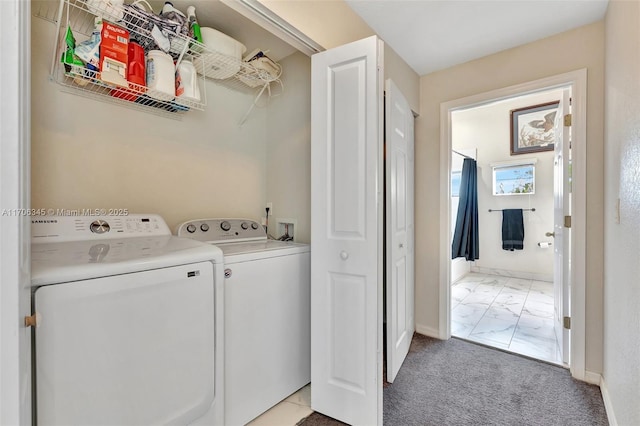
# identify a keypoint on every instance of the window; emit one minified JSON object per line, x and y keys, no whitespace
{"x":514,"y":179}
{"x":455,"y":183}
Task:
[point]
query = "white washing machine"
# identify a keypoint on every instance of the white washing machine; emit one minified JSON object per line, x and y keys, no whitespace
{"x":267,"y":314}
{"x":130,"y":323}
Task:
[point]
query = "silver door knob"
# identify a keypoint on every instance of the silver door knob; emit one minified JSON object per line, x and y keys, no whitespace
{"x":550,"y":234}
{"x":344,"y":255}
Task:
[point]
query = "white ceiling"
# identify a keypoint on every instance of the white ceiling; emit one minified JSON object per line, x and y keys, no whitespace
{"x":431,"y":35}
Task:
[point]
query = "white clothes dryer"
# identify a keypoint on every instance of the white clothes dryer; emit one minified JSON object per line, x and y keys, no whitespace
{"x":267,"y":314}
{"x":130,"y":323}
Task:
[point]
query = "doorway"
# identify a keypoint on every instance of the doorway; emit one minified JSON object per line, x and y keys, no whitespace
{"x":573,"y":286}
{"x":505,"y":298}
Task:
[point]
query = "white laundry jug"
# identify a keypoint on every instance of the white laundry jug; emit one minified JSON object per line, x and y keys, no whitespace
{"x":160,"y":75}
{"x":187,"y":82}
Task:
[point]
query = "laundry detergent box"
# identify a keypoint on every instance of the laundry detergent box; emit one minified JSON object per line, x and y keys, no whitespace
{"x":114,"y":45}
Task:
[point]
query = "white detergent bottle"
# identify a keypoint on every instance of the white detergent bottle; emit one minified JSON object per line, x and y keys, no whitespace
{"x":160,"y":75}
{"x":187,"y":78}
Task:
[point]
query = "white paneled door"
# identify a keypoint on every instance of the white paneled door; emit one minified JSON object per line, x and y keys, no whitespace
{"x":346,"y":232}
{"x":399,"y":165}
{"x":561,"y":240}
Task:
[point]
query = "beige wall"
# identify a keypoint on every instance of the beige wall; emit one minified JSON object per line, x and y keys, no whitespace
{"x":328,"y":23}
{"x":486,"y":129}
{"x":404,"y":76}
{"x":572,"y":50}
{"x":90,"y":154}
{"x":289,"y":148}
{"x":622,"y":180}
{"x":334,"y":23}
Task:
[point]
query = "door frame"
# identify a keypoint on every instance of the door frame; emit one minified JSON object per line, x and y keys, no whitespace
{"x":577,"y":80}
{"x":15,"y":193}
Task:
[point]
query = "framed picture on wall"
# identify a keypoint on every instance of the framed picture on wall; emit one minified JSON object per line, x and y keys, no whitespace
{"x":533,"y":128}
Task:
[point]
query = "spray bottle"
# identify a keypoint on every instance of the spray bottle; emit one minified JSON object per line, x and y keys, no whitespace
{"x":193,"y":24}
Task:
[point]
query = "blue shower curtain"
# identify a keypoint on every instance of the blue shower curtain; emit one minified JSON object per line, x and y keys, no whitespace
{"x":465,"y":237}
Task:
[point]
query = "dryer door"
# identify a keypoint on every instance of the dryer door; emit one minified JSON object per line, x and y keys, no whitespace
{"x":131,"y":349}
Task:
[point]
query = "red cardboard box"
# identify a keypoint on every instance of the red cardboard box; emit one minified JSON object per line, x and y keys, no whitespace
{"x":114,"y":44}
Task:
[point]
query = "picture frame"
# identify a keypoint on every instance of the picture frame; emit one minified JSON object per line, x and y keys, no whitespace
{"x":533,"y":128}
{"x":514,"y":179}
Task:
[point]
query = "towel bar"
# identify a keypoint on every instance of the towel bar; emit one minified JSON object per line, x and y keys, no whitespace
{"x":524,"y":210}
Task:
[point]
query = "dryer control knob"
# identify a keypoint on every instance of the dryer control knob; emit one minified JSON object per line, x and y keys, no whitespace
{"x":254,"y":225}
{"x":244,"y":226}
{"x":99,"y":226}
{"x":204,"y":227}
{"x":225,"y":226}
{"x":191,"y":228}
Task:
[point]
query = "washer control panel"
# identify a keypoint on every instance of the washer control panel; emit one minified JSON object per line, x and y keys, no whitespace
{"x":53,"y":229}
{"x":222,"y":230}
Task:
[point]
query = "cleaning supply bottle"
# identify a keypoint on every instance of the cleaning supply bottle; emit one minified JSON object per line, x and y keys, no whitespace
{"x":173,"y":14}
{"x":194,"y":27}
{"x":168,"y":9}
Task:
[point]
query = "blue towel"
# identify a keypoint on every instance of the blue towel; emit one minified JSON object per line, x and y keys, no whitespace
{"x":512,"y":229}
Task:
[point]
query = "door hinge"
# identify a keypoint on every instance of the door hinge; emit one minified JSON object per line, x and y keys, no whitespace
{"x":567,"y":120}
{"x":33,"y":320}
{"x":566,"y":323}
{"x":567,"y":221}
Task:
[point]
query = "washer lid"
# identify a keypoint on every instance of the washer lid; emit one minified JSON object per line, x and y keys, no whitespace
{"x":53,"y":263}
{"x":260,"y":249}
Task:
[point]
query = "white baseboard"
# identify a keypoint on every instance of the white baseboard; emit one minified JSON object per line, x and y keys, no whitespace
{"x":428,"y":331}
{"x":513,"y":274}
{"x":592,"y":378}
{"x":459,"y":268}
{"x":608,"y":407}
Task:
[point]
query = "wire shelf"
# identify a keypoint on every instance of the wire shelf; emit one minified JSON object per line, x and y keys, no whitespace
{"x":86,"y":83}
{"x":210,"y":64}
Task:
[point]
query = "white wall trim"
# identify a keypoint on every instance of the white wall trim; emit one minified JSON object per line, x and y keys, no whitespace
{"x":513,"y":274}
{"x":15,"y":160}
{"x":428,"y":331}
{"x":592,"y":378}
{"x":15,"y":125}
{"x":578,"y":82}
{"x":608,"y":406}
{"x":444,"y":300}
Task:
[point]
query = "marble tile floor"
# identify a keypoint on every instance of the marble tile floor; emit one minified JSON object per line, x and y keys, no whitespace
{"x":508,"y":313}
{"x":288,"y":412}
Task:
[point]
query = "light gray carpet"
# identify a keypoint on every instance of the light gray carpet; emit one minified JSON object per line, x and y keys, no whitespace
{"x":456,"y":382}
